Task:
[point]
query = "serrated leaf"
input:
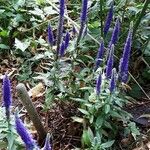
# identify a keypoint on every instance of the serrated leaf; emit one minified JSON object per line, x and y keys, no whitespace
{"x":99,"y":121}
{"x":107,"y":144}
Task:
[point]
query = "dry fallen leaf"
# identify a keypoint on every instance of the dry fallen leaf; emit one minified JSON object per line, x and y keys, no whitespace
{"x":37,"y":91}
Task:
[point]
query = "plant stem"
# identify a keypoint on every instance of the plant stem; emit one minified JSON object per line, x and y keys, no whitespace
{"x":140,"y":16}
{"x":33,"y":114}
{"x":101,"y":17}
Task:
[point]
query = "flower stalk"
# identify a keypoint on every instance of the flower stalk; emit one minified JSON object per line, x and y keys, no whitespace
{"x":60,"y":25}
{"x":124,"y":61}
{"x":110,"y":62}
{"x":24,"y":134}
{"x":7,"y":99}
{"x":108,"y":20}
{"x":99,"y":55}
{"x":98,"y":84}
{"x":83,"y":19}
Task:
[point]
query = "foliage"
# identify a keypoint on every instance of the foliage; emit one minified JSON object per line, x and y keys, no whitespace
{"x":72,"y":75}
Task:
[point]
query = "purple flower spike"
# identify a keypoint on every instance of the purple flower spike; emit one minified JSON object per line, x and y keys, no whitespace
{"x":110,"y":62}
{"x":47,"y":145}
{"x":24,"y":134}
{"x":60,"y":25}
{"x":112,"y":84}
{"x":98,"y":84}
{"x":108,"y":20}
{"x":62,"y":49}
{"x":84,"y":10}
{"x":67,"y":38}
{"x":83,"y":19}
{"x":50,"y":35}
{"x":99,"y":55}
{"x":7,"y":99}
{"x":123,"y":65}
{"x":115,"y":33}
{"x":74,"y":31}
{"x":62,"y":7}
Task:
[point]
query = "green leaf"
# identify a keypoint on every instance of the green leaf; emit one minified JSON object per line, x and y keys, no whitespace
{"x":84,"y":111}
{"x":99,"y":121}
{"x":107,"y":108}
{"x":107,"y":144}
{"x":78,"y":99}
{"x":49,"y":10}
{"x":86,"y":138}
{"x":3,"y":46}
{"x":21,"y":45}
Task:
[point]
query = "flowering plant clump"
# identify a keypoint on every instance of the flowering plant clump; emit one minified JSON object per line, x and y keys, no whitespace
{"x":96,"y":85}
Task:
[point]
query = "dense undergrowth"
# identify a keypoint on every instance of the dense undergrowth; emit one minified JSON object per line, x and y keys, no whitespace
{"x":86,"y":63}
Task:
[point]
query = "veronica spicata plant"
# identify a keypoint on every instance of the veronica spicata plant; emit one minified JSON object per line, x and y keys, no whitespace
{"x":24,"y":134}
{"x":99,"y":55}
{"x":108,"y":20}
{"x":124,"y":61}
{"x":102,"y":104}
{"x":83,"y":19}
{"x":50,"y":35}
{"x":7,"y":99}
{"x":115,"y":33}
{"x":60,"y":24}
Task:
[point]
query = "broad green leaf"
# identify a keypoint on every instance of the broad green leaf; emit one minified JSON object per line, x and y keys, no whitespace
{"x":22,"y":45}
{"x":86,"y":138}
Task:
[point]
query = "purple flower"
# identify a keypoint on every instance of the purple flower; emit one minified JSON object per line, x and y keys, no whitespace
{"x":84,"y":11}
{"x":62,"y":49}
{"x":115,"y":33}
{"x":83,"y":19}
{"x":99,"y":55}
{"x":98,"y":84}
{"x":60,"y":25}
{"x":50,"y":35}
{"x":110,"y":62}
{"x":47,"y":145}
{"x":74,"y":31}
{"x":123,"y":65}
{"x":112,"y":84}
{"x":108,"y":20}
{"x":24,"y":134}
{"x":67,"y":38}
{"x":7,"y":99}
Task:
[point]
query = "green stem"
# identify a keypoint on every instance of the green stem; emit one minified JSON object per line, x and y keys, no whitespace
{"x":140,"y":16}
{"x":101,"y":17}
